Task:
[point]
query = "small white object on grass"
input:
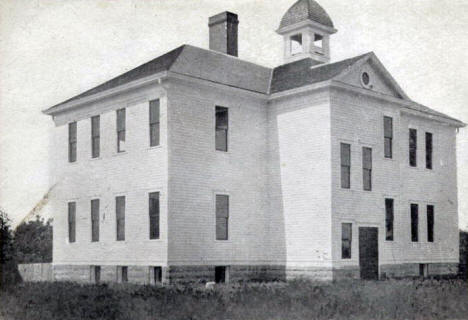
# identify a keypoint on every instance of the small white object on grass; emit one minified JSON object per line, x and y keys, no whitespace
{"x":210,"y":285}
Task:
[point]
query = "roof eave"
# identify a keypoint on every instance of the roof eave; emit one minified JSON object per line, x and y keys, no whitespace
{"x":304,"y":23}
{"x":105,"y":94}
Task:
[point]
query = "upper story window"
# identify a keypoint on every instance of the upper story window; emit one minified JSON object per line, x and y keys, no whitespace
{"x":221,"y":128}
{"x":413,"y":146}
{"x":95,"y":136}
{"x":428,"y":150}
{"x":121,"y":130}
{"x":345,"y":152}
{"x":367,"y":168}
{"x":72,"y":142}
{"x":296,"y":44}
{"x":154,"y":122}
{"x":388,"y":137}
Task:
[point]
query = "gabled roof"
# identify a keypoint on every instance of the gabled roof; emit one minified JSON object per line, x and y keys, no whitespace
{"x":230,"y":71}
{"x":304,"y":10}
{"x":303,"y":72}
{"x":195,"y":62}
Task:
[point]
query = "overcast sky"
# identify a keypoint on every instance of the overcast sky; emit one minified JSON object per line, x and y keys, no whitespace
{"x":51,"y":50}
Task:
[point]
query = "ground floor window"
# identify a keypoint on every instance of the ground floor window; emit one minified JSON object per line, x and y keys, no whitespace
{"x":155,"y":275}
{"x":346,"y":237}
{"x":96,"y":274}
{"x":122,"y":274}
{"x":221,"y":274}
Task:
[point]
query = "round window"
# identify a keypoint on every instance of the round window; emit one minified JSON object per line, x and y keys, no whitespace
{"x":365,"y":79}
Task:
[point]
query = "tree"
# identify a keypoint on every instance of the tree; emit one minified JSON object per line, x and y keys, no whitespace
{"x":8,"y":269}
{"x":33,"y":241}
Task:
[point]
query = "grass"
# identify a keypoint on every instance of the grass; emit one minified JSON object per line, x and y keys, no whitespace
{"x":392,"y":299}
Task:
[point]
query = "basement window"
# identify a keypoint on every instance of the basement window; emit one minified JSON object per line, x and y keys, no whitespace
{"x":296,"y":44}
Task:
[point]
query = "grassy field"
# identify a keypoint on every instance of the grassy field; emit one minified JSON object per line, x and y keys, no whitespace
{"x":392,"y":299}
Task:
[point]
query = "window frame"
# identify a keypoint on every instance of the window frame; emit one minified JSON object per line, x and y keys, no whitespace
{"x":226,"y":219}
{"x":366,"y":169}
{"x":154,"y":122}
{"x":72,"y":141}
{"x":414,"y":222}
{"x":156,"y":235}
{"x":121,"y":129}
{"x":95,"y":222}
{"x":120,"y":221}
{"x":389,"y":219}
{"x":430,"y":216}
{"x":429,"y":137}
{"x":413,"y":147}
{"x":345,"y":166}
{"x":346,"y":241}
{"x":388,"y":137}
{"x":71,"y":221}
{"x":95,"y":136}
{"x":220,"y":127}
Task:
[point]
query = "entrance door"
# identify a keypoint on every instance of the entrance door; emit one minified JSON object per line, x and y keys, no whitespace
{"x":369,"y":252}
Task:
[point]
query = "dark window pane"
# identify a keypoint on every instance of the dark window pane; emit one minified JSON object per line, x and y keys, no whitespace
{"x":389,"y":219}
{"x":222,"y":217}
{"x":367,"y":168}
{"x":154,"y":122}
{"x":413,"y":147}
{"x":346,"y":238}
{"x":95,"y":220}
{"x":72,"y":142}
{"x":95,"y":136}
{"x":121,"y":130}
{"x":124,"y":275}
{"x":157,"y":274}
{"x":71,"y":221}
{"x":345,"y":154}
{"x":428,"y":150}
{"x":154,"y":215}
{"x":120,"y":217}
{"x":97,"y":274}
{"x":430,"y":223}
{"x":414,"y":222}
{"x":221,"y":128}
{"x":388,"y":137}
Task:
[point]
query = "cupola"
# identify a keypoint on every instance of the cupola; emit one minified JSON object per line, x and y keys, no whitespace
{"x":306,"y":28}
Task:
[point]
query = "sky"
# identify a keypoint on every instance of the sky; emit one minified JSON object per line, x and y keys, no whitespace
{"x":51,"y":50}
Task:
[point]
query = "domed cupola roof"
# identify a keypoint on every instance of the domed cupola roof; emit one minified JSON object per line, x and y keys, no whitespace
{"x":304,"y":10}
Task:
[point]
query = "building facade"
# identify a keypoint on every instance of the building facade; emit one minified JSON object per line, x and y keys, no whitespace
{"x":199,"y":166}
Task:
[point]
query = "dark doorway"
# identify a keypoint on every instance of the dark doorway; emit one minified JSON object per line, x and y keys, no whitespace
{"x":157,"y":274}
{"x":369,"y":252}
{"x":220,"y":274}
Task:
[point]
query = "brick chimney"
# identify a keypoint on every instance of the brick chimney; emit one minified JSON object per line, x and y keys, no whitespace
{"x":223,"y":33}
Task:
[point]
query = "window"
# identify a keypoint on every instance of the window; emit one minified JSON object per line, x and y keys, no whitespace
{"x":345,"y":165}
{"x":346,"y":238}
{"x":367,"y":168}
{"x":389,"y":219}
{"x":413,"y":139}
{"x":222,"y":123}
{"x":72,"y":142}
{"x":71,"y":222}
{"x":154,"y":123}
{"x":95,"y":220}
{"x":318,"y":40}
{"x":95,"y":136}
{"x":388,"y":137}
{"x":121,"y":130}
{"x":154,"y":215}
{"x":156,"y":275}
{"x":296,"y":44}
{"x":122,"y":274}
{"x":96,"y":273}
{"x":428,"y":150}
{"x":222,"y":216}
{"x":414,"y":222}
{"x":430,"y":223}
{"x":120,"y":217}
